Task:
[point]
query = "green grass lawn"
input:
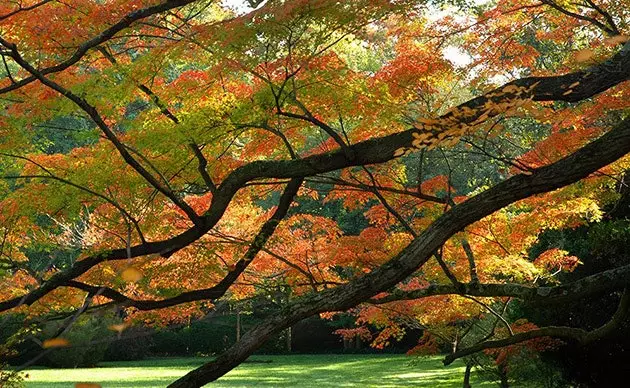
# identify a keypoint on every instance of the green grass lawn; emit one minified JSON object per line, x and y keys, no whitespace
{"x":283,"y":371}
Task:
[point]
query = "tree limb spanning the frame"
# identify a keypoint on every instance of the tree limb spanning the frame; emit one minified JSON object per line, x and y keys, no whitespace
{"x":609,"y":280}
{"x":581,"y":336}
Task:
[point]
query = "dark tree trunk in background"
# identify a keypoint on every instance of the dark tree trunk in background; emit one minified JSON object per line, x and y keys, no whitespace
{"x":238,"y":326}
{"x":503,"y":377}
{"x":467,"y":376}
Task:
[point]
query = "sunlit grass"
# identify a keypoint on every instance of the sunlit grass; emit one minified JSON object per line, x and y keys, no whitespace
{"x":381,"y":371}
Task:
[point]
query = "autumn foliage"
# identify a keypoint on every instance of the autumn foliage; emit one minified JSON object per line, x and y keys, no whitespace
{"x":161,"y":156}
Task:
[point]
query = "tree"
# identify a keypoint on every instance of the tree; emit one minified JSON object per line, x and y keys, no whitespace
{"x":203,"y":148}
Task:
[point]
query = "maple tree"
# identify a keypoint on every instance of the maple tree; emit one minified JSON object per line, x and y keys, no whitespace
{"x":160,"y":155}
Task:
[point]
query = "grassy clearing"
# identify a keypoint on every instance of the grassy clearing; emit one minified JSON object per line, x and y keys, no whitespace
{"x":383,"y":371}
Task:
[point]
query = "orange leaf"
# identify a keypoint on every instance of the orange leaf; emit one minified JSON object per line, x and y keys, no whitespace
{"x":55,"y":343}
{"x":87,"y":385}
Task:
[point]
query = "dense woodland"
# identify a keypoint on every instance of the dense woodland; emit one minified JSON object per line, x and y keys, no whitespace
{"x":451,"y":171}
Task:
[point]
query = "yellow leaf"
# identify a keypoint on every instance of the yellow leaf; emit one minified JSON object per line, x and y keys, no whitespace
{"x":120,"y":327}
{"x":427,"y":122}
{"x":584,"y":55}
{"x":422,"y":136}
{"x":513,"y":89}
{"x":107,"y":270}
{"x":131,"y":274}
{"x":399,"y":152}
{"x":55,"y":343}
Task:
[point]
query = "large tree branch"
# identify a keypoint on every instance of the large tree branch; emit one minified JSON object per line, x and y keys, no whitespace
{"x":581,"y":336}
{"x":582,"y":85}
{"x":609,"y":280}
{"x":610,"y":147}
